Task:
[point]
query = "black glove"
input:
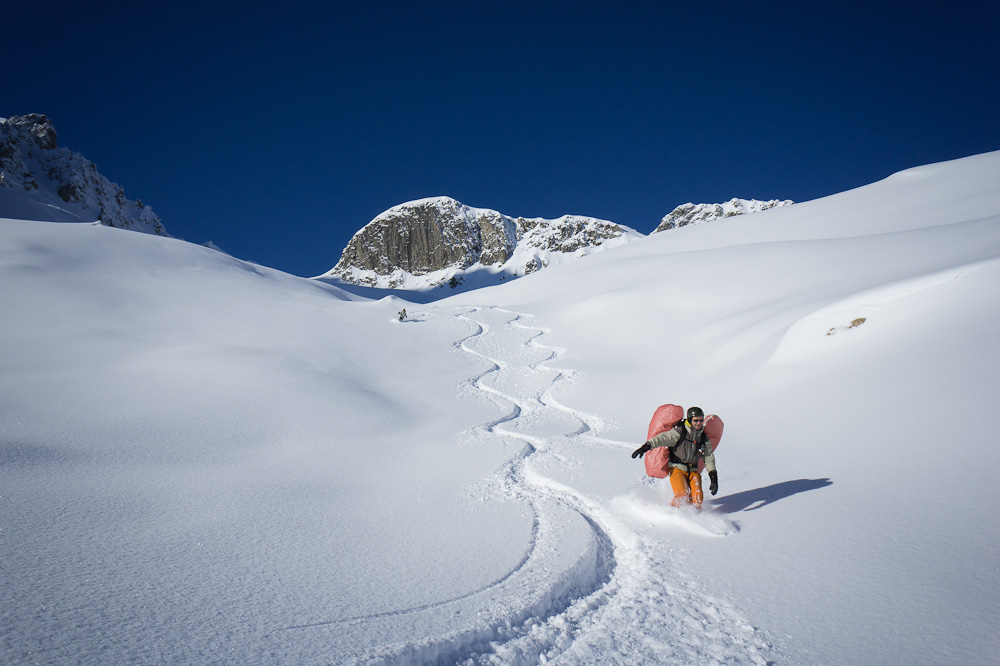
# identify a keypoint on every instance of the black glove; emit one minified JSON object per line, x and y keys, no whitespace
{"x":639,"y":451}
{"x":714,"y":487}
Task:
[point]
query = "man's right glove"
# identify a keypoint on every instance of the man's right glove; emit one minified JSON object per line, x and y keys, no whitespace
{"x":714,"y":487}
{"x":639,"y":451}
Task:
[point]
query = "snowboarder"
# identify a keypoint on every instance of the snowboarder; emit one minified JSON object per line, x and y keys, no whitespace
{"x":687,"y":443}
{"x":402,"y":315}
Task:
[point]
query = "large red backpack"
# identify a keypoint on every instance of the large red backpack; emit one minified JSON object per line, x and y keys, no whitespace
{"x":664,"y":418}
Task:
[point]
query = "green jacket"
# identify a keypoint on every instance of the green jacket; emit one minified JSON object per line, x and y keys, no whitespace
{"x":686,"y":448}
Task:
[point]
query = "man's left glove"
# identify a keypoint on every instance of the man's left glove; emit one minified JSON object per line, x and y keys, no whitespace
{"x":714,"y":487}
{"x":639,"y":451}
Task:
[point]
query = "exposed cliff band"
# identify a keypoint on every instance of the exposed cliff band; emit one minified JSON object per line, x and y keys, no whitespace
{"x":438,"y":238}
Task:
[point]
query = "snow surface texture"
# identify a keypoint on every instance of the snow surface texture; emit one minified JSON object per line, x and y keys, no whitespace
{"x":207,"y":461}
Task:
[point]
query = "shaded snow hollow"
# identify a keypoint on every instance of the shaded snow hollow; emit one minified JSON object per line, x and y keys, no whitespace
{"x":208,"y":461}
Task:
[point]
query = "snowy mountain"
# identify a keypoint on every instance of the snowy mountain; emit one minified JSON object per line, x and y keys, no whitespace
{"x":690,"y":213}
{"x":41,"y":181}
{"x":206,"y":461}
{"x":438,"y":241}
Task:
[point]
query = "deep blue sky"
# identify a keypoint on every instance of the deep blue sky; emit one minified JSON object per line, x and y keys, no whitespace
{"x":277,"y":130}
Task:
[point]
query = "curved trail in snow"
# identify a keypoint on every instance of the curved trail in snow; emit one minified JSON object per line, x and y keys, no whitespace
{"x":603,"y":591}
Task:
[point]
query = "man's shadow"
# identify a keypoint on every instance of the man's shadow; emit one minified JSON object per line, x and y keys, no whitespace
{"x":750,"y":500}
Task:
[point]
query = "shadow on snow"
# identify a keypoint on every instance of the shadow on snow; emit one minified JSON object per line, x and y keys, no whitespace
{"x":757,"y":498}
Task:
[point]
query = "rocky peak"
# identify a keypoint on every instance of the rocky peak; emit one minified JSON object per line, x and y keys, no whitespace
{"x":33,"y":127}
{"x":41,"y":181}
{"x":690,"y":213}
{"x":427,"y":235}
{"x":431,"y":242}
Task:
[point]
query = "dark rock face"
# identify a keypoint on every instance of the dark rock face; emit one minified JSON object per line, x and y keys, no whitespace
{"x":57,"y":184}
{"x":430,"y":235}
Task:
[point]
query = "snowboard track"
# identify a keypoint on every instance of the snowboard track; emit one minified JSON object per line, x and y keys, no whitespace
{"x":615,"y":600}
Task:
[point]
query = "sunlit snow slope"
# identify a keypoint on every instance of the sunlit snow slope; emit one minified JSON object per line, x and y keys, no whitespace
{"x":207,"y":461}
{"x":858,"y":457}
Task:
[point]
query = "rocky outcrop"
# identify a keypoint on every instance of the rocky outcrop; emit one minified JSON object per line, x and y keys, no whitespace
{"x":40,"y":180}
{"x":690,"y":213}
{"x":429,"y":235}
{"x":431,"y":242}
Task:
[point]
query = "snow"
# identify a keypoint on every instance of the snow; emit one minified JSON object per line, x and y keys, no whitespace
{"x":208,"y":461}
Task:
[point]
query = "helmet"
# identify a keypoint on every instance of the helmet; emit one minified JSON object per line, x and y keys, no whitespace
{"x":695,"y":412}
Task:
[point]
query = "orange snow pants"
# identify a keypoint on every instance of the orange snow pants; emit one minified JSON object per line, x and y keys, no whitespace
{"x":687,"y":487}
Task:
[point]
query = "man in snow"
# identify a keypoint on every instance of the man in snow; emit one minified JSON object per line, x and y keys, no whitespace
{"x":687,"y":444}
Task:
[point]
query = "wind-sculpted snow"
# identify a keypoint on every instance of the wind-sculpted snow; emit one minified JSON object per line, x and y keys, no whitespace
{"x":594,"y":590}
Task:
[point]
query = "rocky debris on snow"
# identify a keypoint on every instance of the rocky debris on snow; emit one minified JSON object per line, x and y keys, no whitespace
{"x":42,"y":181}
{"x":690,"y":213}
{"x":854,"y":324}
{"x":432,"y":242}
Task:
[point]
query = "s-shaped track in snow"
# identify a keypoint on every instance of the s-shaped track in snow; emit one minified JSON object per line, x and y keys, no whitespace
{"x":603,"y":592}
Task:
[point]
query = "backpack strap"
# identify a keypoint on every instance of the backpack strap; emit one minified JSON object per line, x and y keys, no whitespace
{"x":682,"y":431}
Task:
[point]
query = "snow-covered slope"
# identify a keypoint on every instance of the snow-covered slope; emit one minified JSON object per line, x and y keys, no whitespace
{"x":439,"y":242}
{"x":690,"y":213}
{"x":206,"y":461}
{"x":857,"y":456}
{"x":41,"y":181}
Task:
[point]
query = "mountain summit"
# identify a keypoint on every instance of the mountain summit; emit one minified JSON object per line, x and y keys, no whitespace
{"x":41,"y":181}
{"x":690,"y":213}
{"x":432,"y":242}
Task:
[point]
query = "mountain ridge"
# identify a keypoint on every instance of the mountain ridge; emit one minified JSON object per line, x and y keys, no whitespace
{"x":438,"y":241}
{"x":41,"y":180}
{"x":691,"y":213}
{"x":418,"y":245}
{"x":428,"y":243}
